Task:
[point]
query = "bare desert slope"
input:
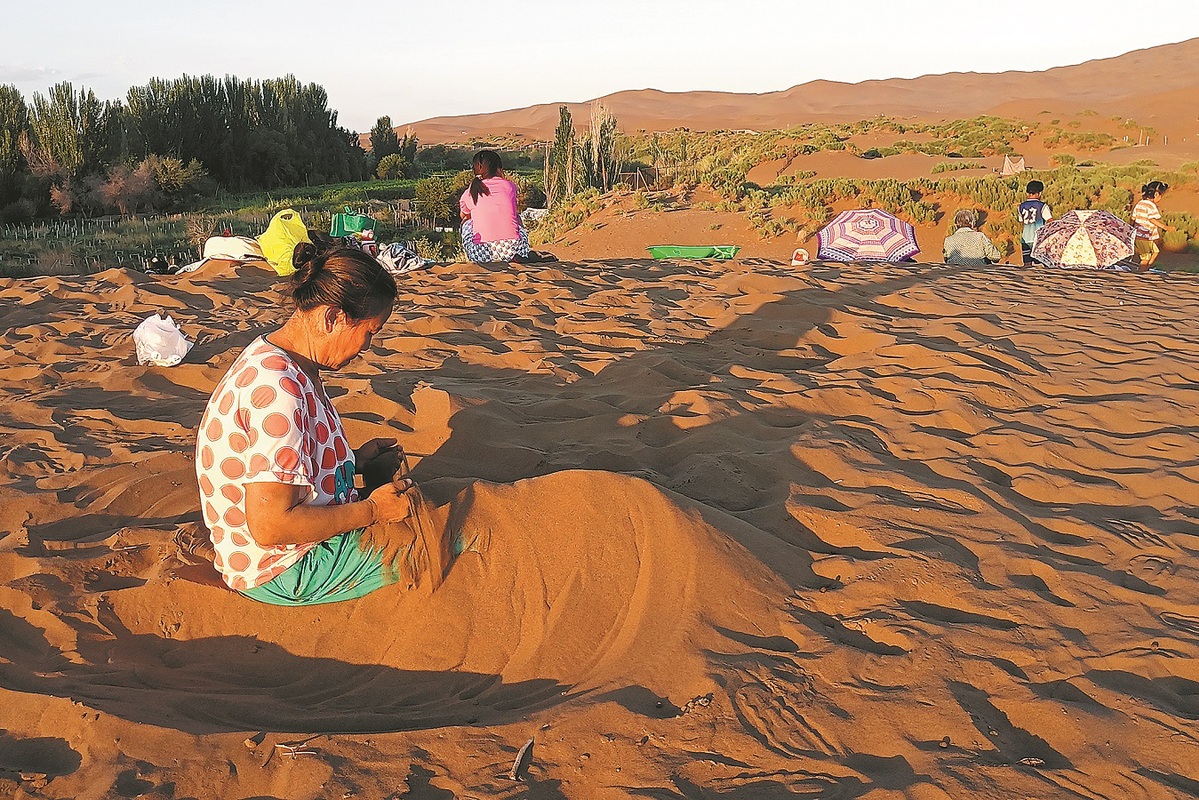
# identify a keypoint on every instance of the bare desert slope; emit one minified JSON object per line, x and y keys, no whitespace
{"x":1157,"y":86}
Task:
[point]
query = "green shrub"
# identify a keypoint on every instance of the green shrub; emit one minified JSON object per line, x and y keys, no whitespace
{"x":429,"y":249}
{"x":177,"y":181}
{"x":392,"y":166}
{"x":530,"y":190}
{"x":437,"y":197}
{"x":952,"y":166}
{"x":1083,"y":140}
{"x":729,"y":182}
{"x":19,"y":211}
{"x":1175,"y":240}
{"x":1186,"y":223}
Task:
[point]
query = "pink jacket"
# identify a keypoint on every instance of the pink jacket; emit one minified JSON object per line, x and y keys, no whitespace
{"x":494,"y":216}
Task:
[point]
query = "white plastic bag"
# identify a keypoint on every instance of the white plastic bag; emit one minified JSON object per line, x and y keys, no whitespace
{"x":398,"y":258}
{"x":159,"y":341}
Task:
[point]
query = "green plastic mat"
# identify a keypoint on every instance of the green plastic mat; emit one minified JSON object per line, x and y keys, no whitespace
{"x":718,"y":251}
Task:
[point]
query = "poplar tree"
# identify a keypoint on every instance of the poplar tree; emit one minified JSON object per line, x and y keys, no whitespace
{"x":14,"y":122}
{"x":560,"y":161}
{"x":384,"y":141}
{"x":67,"y":130}
{"x":600,"y":149}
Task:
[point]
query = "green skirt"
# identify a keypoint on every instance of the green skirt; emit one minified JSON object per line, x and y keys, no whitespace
{"x":336,"y":569}
{"x":340,"y":569}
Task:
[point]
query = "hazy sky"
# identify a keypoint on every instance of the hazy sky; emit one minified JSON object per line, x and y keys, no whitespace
{"x":418,"y":59}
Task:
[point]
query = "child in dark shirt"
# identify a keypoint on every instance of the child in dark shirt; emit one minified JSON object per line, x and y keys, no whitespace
{"x":1033,"y":214}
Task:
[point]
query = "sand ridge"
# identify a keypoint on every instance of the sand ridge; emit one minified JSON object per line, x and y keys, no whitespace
{"x":741,"y":530}
{"x":1155,"y":85}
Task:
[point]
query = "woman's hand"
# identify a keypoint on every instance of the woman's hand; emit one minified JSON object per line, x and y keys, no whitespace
{"x":391,"y":501}
{"x":374,"y":449}
{"x":377,"y":462}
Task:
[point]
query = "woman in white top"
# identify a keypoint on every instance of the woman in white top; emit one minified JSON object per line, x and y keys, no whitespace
{"x":273,"y":465}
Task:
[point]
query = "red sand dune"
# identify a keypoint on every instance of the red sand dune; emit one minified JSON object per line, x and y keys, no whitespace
{"x":739,"y":530}
{"x":1156,"y":86}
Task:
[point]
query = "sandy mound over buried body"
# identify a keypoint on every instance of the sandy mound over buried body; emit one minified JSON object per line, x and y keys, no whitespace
{"x":579,"y":581}
{"x":900,"y":532}
{"x":580,"y":586}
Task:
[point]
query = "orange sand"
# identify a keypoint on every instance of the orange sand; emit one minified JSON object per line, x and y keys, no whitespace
{"x":746,"y":531}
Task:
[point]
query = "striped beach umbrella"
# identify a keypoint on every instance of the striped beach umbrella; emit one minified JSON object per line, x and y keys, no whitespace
{"x":1095,"y":239}
{"x":866,"y":234}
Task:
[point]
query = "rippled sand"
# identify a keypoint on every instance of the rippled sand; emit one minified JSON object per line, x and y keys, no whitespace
{"x":740,"y":530}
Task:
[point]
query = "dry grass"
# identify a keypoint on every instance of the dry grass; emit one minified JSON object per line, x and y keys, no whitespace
{"x":199,"y":227}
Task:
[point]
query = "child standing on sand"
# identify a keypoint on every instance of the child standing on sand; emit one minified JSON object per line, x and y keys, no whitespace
{"x":1033,"y":215}
{"x":1147,"y":218}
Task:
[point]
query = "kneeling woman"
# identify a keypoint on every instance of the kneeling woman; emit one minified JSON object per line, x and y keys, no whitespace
{"x":275,"y":470}
{"x":491,"y":229}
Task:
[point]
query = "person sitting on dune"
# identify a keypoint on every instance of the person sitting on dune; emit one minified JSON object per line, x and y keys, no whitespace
{"x":274,"y":467}
{"x":491,"y":229}
{"x":968,"y":247}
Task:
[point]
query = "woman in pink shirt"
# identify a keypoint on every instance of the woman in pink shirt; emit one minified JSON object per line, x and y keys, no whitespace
{"x":491,"y":229}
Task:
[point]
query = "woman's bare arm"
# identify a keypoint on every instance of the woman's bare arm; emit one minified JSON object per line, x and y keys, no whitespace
{"x":277,"y":514}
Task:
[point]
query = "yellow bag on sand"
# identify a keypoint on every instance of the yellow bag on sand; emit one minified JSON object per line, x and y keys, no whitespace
{"x":279,"y":240}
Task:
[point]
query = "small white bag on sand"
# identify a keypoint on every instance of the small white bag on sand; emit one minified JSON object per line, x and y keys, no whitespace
{"x":159,"y":342}
{"x":398,"y":258}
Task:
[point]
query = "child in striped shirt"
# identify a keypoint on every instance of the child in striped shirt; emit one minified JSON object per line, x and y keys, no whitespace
{"x":1147,"y":219}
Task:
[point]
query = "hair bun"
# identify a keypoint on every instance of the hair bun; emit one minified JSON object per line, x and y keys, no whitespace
{"x":306,"y":262}
{"x":343,"y":277}
{"x":303,"y":254}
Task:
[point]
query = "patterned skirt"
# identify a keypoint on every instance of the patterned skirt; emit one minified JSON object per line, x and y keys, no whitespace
{"x":491,"y":252}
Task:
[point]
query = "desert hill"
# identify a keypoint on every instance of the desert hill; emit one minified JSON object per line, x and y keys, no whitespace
{"x":1156,"y":85}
